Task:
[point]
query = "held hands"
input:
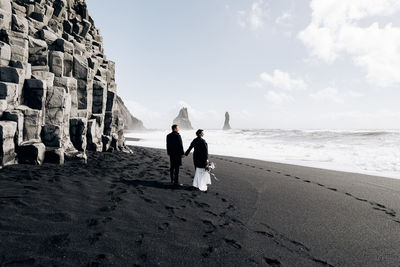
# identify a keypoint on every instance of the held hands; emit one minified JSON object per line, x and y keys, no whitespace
{"x":183,"y":156}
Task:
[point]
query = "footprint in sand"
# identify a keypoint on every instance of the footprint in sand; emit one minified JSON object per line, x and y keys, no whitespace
{"x":101,"y":257}
{"x":112,"y":186}
{"x":231,"y":207}
{"x":210,"y":226}
{"x":201,"y":204}
{"x":361,"y":199}
{"x":265,"y":234}
{"x":208,"y":252}
{"x":391,"y":213}
{"x":140,"y":191}
{"x":123,"y":191}
{"x":107,"y":220}
{"x":92,"y":222}
{"x":233,"y":243}
{"x":148,"y":200}
{"x":212,"y":213}
{"x":181,"y":218}
{"x":93,"y":238}
{"x":141,"y":260}
{"x":170,"y":209}
{"x":139,"y":240}
{"x":163,"y":226}
{"x":225,"y":224}
{"x":272,"y":262}
{"x":108,"y":208}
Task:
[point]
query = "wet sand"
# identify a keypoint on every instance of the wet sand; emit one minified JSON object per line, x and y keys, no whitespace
{"x":120,"y":210}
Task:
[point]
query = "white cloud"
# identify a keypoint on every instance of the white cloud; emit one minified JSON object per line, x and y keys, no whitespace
{"x":332,"y":94}
{"x":256,"y":84}
{"x":355,"y":94}
{"x":327,"y":94}
{"x":282,"y":80}
{"x":278,"y":98}
{"x":373,"y":119}
{"x":285,"y":18}
{"x":255,"y":17}
{"x":335,"y":31}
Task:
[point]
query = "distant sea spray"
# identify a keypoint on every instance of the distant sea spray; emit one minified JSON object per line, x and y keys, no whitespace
{"x":375,"y":152}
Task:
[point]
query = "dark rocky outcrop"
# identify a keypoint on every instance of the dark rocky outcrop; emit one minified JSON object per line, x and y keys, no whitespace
{"x":227,"y":125}
{"x":183,"y":120}
{"x":131,"y":123}
{"x":57,"y":88}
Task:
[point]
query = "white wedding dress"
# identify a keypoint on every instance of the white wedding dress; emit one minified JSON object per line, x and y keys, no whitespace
{"x":201,"y":179}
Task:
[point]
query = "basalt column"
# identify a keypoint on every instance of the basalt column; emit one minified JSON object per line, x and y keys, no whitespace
{"x":57,"y":88}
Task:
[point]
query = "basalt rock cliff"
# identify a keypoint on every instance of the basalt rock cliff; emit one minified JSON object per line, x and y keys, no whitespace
{"x":227,"y":125}
{"x":183,"y":120}
{"x":131,"y":123}
{"x":57,"y":88}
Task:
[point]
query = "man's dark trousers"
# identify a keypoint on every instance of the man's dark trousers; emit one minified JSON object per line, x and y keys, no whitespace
{"x":174,"y":172}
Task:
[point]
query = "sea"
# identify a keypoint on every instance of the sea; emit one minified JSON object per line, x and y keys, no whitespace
{"x":374,"y":152}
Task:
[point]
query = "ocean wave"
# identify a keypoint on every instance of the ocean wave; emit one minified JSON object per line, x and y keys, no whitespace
{"x":366,"y":151}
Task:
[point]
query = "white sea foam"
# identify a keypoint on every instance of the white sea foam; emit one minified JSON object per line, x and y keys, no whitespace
{"x":363,"y":151}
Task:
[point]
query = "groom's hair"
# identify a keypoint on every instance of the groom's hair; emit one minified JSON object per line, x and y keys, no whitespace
{"x":173,"y":127}
{"x":198,"y":132}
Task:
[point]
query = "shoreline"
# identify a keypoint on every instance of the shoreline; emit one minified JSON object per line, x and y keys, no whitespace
{"x":120,"y":210}
{"x":294,"y":163}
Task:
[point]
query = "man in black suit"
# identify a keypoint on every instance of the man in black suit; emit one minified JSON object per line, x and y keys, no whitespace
{"x":175,"y":153}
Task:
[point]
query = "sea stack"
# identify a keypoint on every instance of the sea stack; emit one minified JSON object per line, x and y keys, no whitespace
{"x":57,"y":87}
{"x":183,"y":120}
{"x":227,"y":125}
{"x":131,"y":123}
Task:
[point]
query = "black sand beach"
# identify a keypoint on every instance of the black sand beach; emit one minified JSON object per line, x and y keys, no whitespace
{"x":119,"y":210}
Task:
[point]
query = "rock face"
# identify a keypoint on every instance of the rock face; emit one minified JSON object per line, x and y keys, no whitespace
{"x":57,"y":88}
{"x":227,"y":125}
{"x":131,"y":123}
{"x":183,"y":120}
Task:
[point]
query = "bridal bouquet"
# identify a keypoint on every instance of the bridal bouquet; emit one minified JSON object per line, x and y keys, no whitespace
{"x":209,"y":168}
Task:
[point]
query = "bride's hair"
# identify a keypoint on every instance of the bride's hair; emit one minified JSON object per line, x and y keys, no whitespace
{"x":198,"y":132}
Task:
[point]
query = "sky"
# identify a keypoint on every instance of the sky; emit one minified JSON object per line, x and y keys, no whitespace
{"x":289,"y":64}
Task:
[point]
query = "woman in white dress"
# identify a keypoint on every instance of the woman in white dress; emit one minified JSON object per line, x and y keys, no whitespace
{"x":200,"y":158}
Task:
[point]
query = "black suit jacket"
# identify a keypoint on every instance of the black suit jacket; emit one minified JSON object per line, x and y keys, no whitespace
{"x":175,"y":148}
